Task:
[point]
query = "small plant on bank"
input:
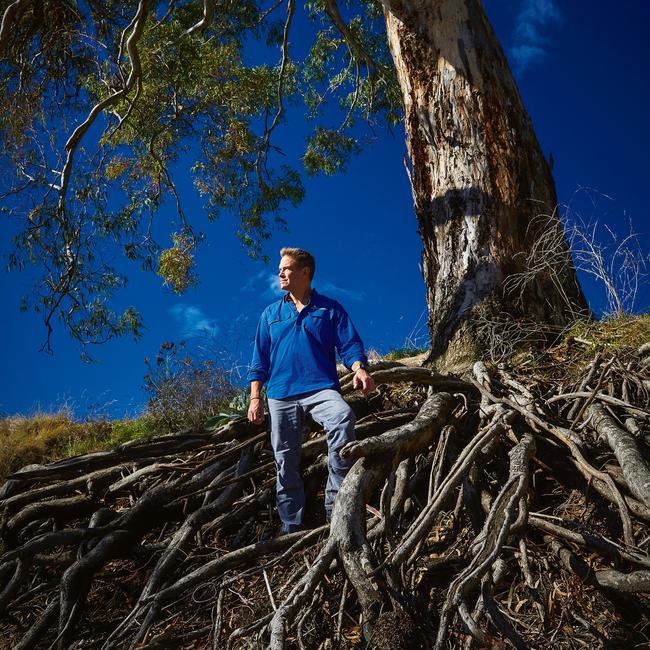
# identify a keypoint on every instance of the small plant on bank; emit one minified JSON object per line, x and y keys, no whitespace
{"x":185,"y":391}
{"x":236,"y":408}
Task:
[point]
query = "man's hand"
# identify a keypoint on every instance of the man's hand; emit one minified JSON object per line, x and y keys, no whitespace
{"x":364,"y":381}
{"x":256,"y":410}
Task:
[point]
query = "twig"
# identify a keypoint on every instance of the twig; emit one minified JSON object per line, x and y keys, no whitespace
{"x":216,"y":630}
{"x":268,"y":589}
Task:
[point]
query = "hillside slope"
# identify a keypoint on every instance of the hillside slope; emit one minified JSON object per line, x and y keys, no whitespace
{"x":510,"y":506}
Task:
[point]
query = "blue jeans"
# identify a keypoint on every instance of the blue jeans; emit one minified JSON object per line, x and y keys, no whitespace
{"x":333,"y":413}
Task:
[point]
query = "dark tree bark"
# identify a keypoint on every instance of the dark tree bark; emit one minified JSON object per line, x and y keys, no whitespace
{"x":483,"y":191}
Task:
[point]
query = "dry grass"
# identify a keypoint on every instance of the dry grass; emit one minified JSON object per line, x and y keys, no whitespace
{"x":45,"y":437}
{"x":37,"y":439}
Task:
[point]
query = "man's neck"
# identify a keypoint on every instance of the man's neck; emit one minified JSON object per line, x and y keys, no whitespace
{"x":301,"y":298}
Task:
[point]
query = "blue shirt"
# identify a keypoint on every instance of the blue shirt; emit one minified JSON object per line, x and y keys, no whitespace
{"x":295,"y":353}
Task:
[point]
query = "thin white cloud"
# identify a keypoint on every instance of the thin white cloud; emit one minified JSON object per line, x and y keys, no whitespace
{"x":339,"y":292}
{"x":253,"y":282}
{"x":193,"y":321}
{"x":530,"y":43}
{"x":265,"y":284}
{"x":273,"y":286}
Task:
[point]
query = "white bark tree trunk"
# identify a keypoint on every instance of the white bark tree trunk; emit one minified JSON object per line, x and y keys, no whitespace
{"x":479,"y":178}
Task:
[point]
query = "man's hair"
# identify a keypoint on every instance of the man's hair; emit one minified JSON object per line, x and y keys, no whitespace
{"x":302,"y":258}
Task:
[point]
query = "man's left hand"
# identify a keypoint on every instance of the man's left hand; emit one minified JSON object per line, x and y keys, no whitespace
{"x":364,"y":381}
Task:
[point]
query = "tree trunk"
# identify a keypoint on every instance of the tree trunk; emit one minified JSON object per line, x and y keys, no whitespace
{"x":483,"y":191}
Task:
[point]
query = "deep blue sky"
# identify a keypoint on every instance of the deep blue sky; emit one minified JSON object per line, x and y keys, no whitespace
{"x":582,"y":70}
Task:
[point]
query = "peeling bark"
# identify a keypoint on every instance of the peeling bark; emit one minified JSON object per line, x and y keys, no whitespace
{"x":479,"y":178}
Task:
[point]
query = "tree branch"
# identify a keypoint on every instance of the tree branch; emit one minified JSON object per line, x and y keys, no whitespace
{"x":8,"y":19}
{"x":208,"y":14}
{"x":71,"y":145}
{"x":332,"y":10}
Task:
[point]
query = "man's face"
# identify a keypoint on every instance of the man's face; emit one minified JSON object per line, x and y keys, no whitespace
{"x":293,"y":278}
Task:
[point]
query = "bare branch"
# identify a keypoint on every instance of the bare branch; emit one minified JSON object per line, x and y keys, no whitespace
{"x":71,"y":145}
{"x":208,"y":14}
{"x":8,"y":20}
{"x":291,"y":8}
{"x":270,"y":10}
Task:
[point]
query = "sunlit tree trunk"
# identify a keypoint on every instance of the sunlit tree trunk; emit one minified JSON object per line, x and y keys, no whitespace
{"x":480,"y":181}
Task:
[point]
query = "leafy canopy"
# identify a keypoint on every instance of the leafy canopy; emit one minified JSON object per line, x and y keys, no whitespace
{"x":105,"y":103}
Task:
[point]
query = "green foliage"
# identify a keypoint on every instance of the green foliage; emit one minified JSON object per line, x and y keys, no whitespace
{"x":328,"y":151}
{"x":356,"y":71}
{"x":175,"y":264}
{"x":204,"y":104}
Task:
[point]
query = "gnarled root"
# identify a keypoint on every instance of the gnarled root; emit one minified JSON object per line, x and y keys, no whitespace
{"x":451,"y":527}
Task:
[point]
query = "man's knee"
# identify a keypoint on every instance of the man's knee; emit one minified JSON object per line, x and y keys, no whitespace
{"x":342,"y":414}
{"x":288,"y":462}
{"x":340,"y":432}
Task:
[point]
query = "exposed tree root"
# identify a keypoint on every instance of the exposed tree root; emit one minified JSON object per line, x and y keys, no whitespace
{"x":510,"y":508}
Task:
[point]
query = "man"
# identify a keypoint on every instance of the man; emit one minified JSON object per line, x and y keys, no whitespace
{"x":295,"y":355}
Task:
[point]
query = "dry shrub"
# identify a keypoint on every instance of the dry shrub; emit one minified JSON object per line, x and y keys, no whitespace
{"x":185,"y":391}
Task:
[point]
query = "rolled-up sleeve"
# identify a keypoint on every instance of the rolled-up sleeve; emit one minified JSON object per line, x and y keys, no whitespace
{"x":348,"y":341}
{"x":259,"y":368}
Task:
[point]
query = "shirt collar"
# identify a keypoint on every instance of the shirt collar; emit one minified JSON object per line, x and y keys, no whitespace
{"x":313,"y":294}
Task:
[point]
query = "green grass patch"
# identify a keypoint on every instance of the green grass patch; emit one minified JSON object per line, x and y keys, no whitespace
{"x":569,"y":357}
{"x":401,"y":353}
{"x":43,"y":438}
{"x":616,"y":332}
